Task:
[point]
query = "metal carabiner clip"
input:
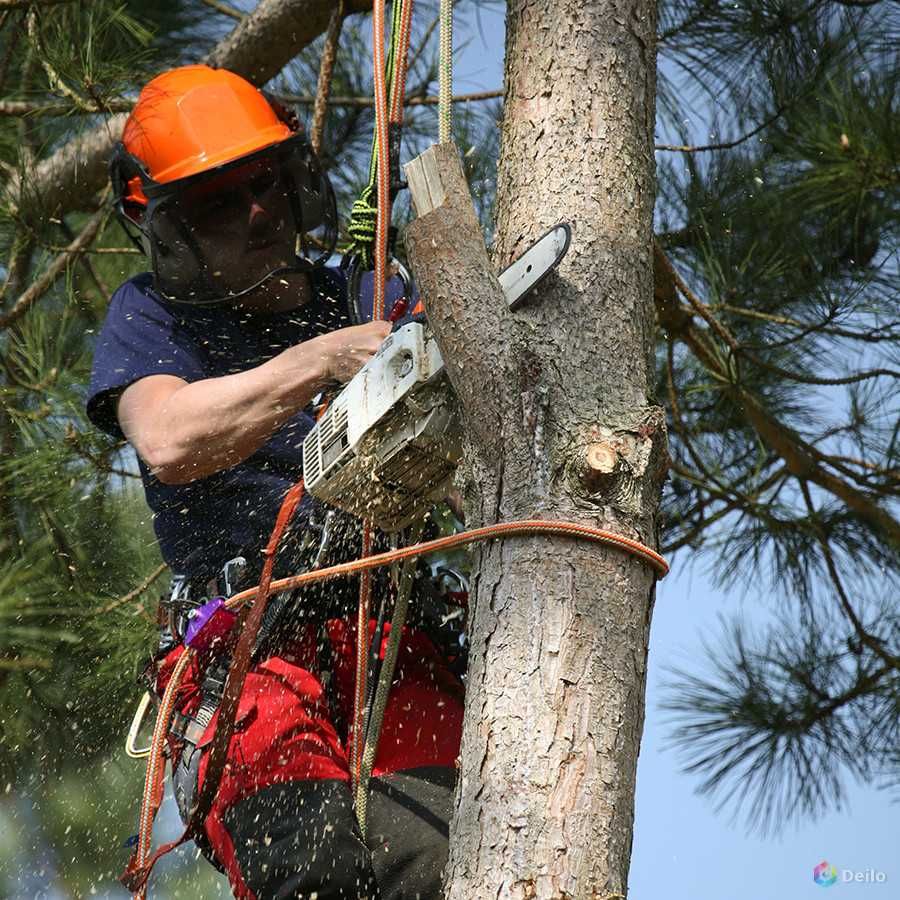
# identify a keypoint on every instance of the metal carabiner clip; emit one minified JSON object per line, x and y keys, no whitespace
{"x":136,"y":723}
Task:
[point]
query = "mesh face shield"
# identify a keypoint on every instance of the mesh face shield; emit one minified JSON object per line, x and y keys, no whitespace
{"x":222,"y":233}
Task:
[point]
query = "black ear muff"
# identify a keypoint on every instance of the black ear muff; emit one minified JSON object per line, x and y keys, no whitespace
{"x":285,"y":113}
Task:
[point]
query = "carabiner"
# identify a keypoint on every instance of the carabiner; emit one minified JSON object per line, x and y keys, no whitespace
{"x":136,"y":723}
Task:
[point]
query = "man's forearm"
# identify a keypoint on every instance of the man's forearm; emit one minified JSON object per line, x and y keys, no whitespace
{"x":210,"y":425}
{"x":188,"y":431}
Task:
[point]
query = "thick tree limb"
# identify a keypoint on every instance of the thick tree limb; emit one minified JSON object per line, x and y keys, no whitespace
{"x":446,"y":249}
{"x":258,"y":48}
{"x":274,"y":33}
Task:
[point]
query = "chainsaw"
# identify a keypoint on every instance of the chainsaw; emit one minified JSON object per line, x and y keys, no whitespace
{"x":387,"y":445}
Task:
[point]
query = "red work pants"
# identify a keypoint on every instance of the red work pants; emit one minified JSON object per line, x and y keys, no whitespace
{"x":292,"y":734}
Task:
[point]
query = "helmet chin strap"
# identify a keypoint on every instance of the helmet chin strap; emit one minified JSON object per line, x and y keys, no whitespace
{"x":228,"y":298}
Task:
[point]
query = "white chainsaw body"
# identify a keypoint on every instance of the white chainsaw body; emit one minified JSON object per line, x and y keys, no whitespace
{"x":388,"y":444}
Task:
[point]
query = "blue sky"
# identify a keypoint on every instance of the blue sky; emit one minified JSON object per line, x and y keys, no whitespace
{"x":683,"y":849}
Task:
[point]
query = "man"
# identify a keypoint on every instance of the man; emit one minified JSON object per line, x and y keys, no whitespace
{"x":208,"y":366}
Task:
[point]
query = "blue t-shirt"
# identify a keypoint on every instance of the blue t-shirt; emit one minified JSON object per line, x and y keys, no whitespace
{"x":203,"y":524}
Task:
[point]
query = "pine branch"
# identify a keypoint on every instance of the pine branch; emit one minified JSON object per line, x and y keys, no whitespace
{"x":725,"y":145}
{"x":732,"y":500}
{"x":258,"y":48}
{"x":95,"y":251}
{"x":20,"y":663}
{"x":868,"y":639}
{"x":887,"y":332}
{"x":802,"y":378}
{"x":84,"y":259}
{"x":9,"y":50}
{"x":326,"y":71}
{"x":367,"y":102}
{"x":750,"y":728}
{"x":10,"y":108}
{"x":74,"y":440}
{"x":14,"y":108}
{"x":53,"y":76}
{"x":225,"y":9}
{"x":135,"y":592}
{"x":48,"y":278}
{"x":17,"y":267}
{"x":28,"y":4}
{"x":801,"y":458}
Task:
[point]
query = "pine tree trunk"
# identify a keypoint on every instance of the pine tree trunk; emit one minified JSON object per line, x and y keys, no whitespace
{"x":559,"y":424}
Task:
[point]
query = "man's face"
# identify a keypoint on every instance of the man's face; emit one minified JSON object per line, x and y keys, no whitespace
{"x":242,"y":223}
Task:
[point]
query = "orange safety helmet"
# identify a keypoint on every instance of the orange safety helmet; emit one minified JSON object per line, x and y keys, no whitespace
{"x":196,"y":132}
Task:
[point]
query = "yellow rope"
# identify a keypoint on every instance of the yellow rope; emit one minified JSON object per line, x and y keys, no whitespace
{"x":445,"y":83}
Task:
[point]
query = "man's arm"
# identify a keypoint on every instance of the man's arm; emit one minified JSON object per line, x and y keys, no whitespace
{"x":187,"y":431}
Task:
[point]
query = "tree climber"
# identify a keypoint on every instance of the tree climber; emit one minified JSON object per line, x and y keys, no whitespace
{"x":208,"y":366}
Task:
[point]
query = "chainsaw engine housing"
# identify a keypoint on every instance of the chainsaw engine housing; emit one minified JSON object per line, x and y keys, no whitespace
{"x":387,"y":446}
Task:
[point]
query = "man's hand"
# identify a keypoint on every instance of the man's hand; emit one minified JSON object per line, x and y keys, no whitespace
{"x":344,"y":352}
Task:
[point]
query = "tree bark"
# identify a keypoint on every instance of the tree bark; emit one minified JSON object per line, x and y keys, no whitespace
{"x":258,"y":48}
{"x":555,"y":400}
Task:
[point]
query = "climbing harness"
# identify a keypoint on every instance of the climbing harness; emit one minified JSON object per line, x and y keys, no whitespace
{"x":251,"y":605}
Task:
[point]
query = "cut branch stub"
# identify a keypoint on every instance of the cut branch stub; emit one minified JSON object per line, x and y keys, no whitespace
{"x":610,"y":467}
{"x":600,"y":462}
